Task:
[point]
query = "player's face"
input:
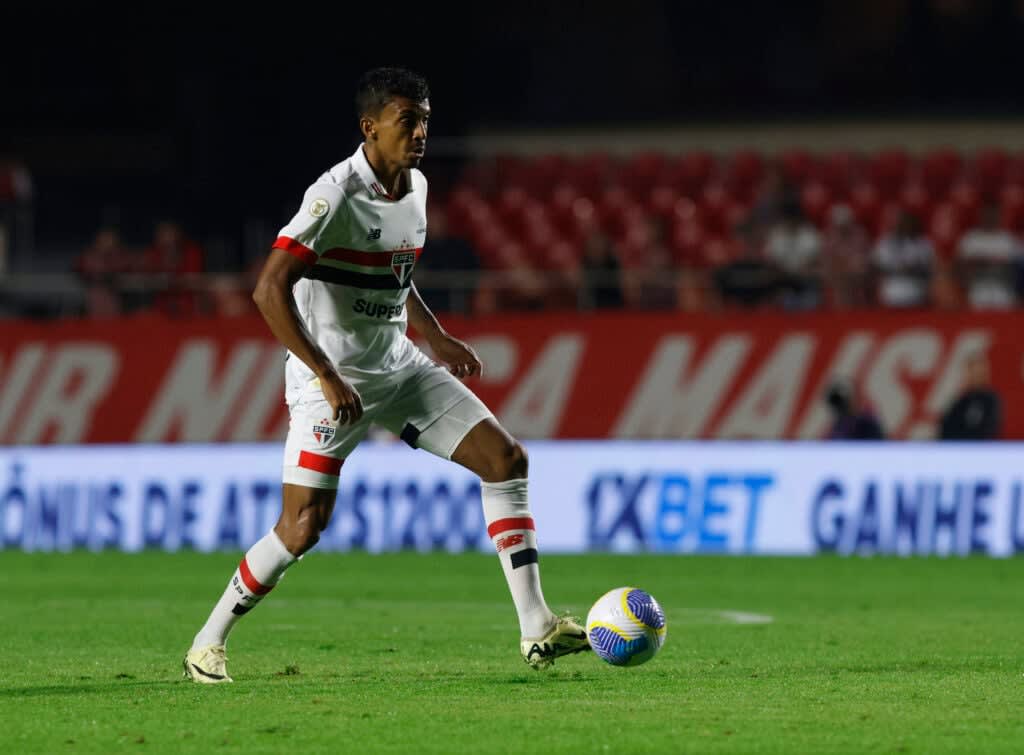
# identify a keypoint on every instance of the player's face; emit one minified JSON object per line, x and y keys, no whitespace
{"x":400,"y":133}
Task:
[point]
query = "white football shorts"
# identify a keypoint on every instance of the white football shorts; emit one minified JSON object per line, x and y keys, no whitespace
{"x":422,"y":403}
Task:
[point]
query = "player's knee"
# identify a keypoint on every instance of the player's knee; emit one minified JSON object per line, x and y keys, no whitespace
{"x":511,"y":463}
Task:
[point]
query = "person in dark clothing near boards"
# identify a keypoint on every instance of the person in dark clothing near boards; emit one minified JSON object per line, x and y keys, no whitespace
{"x":854,"y":420}
{"x":977,"y":413}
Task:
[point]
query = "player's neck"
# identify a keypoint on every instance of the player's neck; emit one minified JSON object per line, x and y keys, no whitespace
{"x":389,"y":175}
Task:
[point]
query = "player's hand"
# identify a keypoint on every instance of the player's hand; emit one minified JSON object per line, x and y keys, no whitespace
{"x":343,"y":398}
{"x":462,"y":361}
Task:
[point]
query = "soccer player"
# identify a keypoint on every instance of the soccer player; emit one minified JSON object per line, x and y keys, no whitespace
{"x":337,"y":292}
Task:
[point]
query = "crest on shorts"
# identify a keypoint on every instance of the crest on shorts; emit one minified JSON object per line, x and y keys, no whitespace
{"x":318,"y":207}
{"x":402,"y":264}
{"x":323,"y":432}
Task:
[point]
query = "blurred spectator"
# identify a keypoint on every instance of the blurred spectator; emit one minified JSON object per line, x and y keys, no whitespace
{"x":977,"y":413}
{"x":175,"y":255}
{"x":99,"y":267}
{"x":987,"y":260}
{"x":854,"y":419}
{"x":794,"y":247}
{"x":172,"y":252}
{"x":845,"y":258}
{"x":651,"y":279}
{"x":747,"y":280}
{"x":903,"y":260}
{"x":775,"y":194}
{"x":601,"y":279}
{"x":450,"y":256}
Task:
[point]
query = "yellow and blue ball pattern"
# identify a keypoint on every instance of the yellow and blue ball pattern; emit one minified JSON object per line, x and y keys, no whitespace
{"x":626,"y":626}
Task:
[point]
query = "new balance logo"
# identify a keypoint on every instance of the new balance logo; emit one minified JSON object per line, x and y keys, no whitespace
{"x":510,"y":541}
{"x":373,"y":235}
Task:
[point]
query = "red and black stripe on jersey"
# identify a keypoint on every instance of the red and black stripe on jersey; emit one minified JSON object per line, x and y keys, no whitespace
{"x":379,"y":270}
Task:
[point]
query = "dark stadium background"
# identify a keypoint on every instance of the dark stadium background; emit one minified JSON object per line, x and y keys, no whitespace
{"x":218,"y":117}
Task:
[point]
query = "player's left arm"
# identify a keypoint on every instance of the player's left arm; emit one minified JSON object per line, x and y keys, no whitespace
{"x":458,"y":355}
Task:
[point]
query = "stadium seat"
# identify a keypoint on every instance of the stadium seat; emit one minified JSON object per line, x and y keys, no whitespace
{"x":989,"y":170}
{"x":915,"y":199}
{"x":511,"y":202}
{"x":888,"y":171}
{"x":940,"y":168}
{"x":545,"y":173}
{"x":797,"y":166}
{"x":944,"y":229}
{"x":590,"y":173}
{"x":719,"y":210}
{"x":1012,"y":209}
{"x":642,"y":171}
{"x":867,"y":206}
{"x":816,"y":199}
{"x":743,"y":174}
{"x":691,"y":173}
{"x":661,"y":201}
{"x":967,"y":199}
{"x":840,"y":171}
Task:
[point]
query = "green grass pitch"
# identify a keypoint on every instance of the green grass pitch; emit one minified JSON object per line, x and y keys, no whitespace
{"x":418,"y":653}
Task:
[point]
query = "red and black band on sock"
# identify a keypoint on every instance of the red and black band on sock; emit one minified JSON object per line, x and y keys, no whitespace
{"x":516,"y":536}
{"x":256,"y":589}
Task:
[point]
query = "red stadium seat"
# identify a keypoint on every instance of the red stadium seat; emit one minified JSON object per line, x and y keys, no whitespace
{"x":590,"y":173}
{"x":687,"y":244}
{"x":888,"y":171}
{"x":691,"y":173}
{"x":511,"y":170}
{"x":545,"y":173}
{"x":967,"y":199}
{"x":510,"y":205}
{"x":744,"y":173}
{"x":816,"y":199}
{"x":661,"y":201}
{"x":944,"y":229}
{"x":840,"y":171}
{"x":867,"y":206}
{"x":686,"y":213}
{"x":939,"y":170}
{"x":719,"y":210}
{"x":1012,"y":209}
{"x":642,"y":171}
{"x":797,"y":166}
{"x":915,"y":199}
{"x":989,"y":170}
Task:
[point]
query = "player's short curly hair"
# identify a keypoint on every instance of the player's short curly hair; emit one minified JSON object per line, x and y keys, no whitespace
{"x":379,"y":86}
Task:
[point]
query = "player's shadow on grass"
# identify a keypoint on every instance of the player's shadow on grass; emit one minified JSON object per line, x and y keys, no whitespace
{"x":91,"y":688}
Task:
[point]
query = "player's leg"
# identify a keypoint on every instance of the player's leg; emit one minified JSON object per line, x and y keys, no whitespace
{"x":437,"y":413}
{"x":314,"y":453}
{"x":305,"y":513}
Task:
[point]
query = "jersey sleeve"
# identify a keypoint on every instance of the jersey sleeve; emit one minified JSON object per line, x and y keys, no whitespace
{"x":305,"y":236}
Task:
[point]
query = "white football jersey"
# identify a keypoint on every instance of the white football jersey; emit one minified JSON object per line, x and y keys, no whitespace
{"x":361,"y":246}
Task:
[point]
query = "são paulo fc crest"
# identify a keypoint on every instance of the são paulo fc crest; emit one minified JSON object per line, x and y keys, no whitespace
{"x":402,"y":264}
{"x":323,"y":432}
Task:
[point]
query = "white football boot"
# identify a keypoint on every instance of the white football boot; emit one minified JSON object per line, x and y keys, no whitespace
{"x":206,"y":665}
{"x":565,"y":638}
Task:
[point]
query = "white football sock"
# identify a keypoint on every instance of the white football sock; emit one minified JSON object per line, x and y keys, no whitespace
{"x":260,"y":569}
{"x":510,"y":527}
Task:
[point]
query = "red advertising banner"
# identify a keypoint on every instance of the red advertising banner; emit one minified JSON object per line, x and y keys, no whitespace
{"x":548,"y":375}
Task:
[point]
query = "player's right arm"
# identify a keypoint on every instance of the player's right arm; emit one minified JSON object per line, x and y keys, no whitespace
{"x":296,"y":249}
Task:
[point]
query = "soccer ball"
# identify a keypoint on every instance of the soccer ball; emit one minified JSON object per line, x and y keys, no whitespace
{"x":626,"y":626}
